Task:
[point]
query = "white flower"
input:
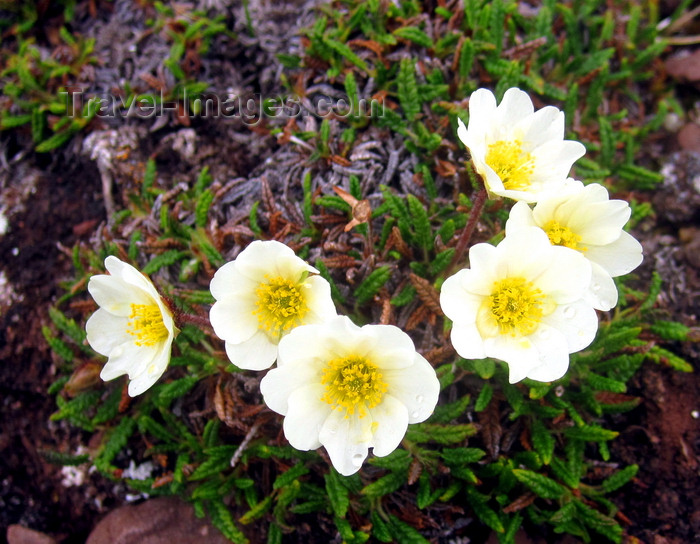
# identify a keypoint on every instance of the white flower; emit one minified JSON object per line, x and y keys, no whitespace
{"x":262,"y":295}
{"x":349,"y":389}
{"x":521,"y":302}
{"x":133,"y":327}
{"x":518,"y":152}
{"x":584,"y":219}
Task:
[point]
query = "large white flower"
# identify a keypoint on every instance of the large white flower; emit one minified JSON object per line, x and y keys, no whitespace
{"x":518,"y":152}
{"x":584,"y":219}
{"x":132,"y":327}
{"x":521,"y":302}
{"x":262,"y":295}
{"x":349,"y":389}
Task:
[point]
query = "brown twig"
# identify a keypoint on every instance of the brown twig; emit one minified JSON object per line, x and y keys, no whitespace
{"x":466,"y":235}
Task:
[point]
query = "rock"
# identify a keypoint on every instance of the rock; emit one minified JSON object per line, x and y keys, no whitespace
{"x":684,"y":67}
{"x":164,"y":520}
{"x":689,"y":137}
{"x":16,"y":534}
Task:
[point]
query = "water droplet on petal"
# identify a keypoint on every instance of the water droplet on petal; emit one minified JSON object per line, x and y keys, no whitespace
{"x":544,"y":334}
{"x":569,"y":312}
{"x":419,"y":398}
{"x":415,"y":414}
{"x":357,"y":459}
{"x":596,"y":287}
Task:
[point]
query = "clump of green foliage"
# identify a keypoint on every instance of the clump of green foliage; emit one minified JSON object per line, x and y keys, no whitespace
{"x":505,"y":455}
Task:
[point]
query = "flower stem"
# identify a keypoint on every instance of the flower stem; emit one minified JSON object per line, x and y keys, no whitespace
{"x":466,"y":235}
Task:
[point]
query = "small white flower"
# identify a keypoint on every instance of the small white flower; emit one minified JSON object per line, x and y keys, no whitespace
{"x":262,"y":295}
{"x":584,"y":219}
{"x":521,"y":302}
{"x":349,"y":389}
{"x":133,"y":327}
{"x":518,"y":152}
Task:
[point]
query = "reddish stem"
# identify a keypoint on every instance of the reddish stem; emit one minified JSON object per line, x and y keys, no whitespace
{"x":466,"y":235}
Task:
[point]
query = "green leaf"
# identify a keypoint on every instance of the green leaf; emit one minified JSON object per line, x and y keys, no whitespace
{"x":404,"y":533}
{"x":619,"y":479}
{"x":541,"y":485}
{"x":415,"y":35}
{"x":484,"y":397}
{"x":202,"y":207}
{"x":440,"y":434}
{"x":256,"y":511}
{"x":542,"y":441}
{"x":221,"y":519}
{"x":590,"y":433}
{"x":385,"y":485}
{"x":408,"y":89}
{"x":455,"y":457}
{"x":483,"y":511}
{"x":164,"y":259}
{"x":149,"y":176}
{"x":421,"y":222}
{"x":337,"y":493}
{"x":670,"y":330}
{"x":372,"y":284}
{"x":115,"y":443}
{"x":600,"y":523}
{"x":290,"y":475}
{"x":345,"y":51}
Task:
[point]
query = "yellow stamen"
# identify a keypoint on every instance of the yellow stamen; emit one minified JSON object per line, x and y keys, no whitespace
{"x":352,"y":384}
{"x":562,"y":236}
{"x":516,"y":304}
{"x":511,"y":163}
{"x":281,"y":305}
{"x":146,"y":324}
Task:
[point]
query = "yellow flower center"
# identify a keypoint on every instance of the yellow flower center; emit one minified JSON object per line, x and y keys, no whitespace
{"x":146,"y":324}
{"x":516,"y":304}
{"x":281,"y":305}
{"x":352,"y":383}
{"x":511,"y":163}
{"x":562,"y":236}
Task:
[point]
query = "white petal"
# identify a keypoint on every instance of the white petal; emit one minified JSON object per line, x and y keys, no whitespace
{"x":599,"y":223}
{"x":519,"y":352}
{"x":602,"y":292}
{"x":520,"y":216}
{"x":577,"y":321}
{"x":106,"y":331}
{"x":115,"y":295}
{"x":256,"y":353}
{"x":543,"y":125}
{"x":131,"y":276}
{"x":318,"y":299}
{"x":618,"y":258}
{"x":279,"y":383}
{"x":416,"y":387}
{"x":389,"y":424}
{"x":553,"y":354}
{"x":458,"y":303}
{"x":305,"y":417}
{"x":515,"y":106}
{"x":347,"y":440}
{"x":467,"y":340}
{"x":305,"y":344}
{"x":228,"y":282}
{"x":233,"y":319}
{"x":151,"y":372}
{"x":482,"y":106}
{"x":554,"y":159}
{"x":487,"y":265}
{"x":271,"y":258}
{"x":392,"y":349}
{"x":566,"y":276}
{"x":128,"y":358}
{"x":462,"y":131}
